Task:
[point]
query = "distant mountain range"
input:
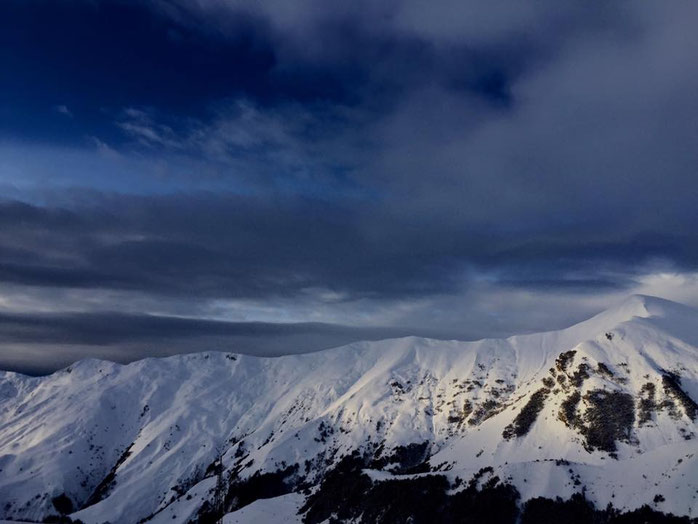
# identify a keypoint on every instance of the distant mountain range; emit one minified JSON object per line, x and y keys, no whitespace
{"x":596,"y":421}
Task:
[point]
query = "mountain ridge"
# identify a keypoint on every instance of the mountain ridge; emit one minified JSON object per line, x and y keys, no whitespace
{"x":130,"y":442}
{"x":634,"y":305}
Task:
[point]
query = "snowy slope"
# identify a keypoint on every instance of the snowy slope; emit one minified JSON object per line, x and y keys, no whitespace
{"x":606,"y":406}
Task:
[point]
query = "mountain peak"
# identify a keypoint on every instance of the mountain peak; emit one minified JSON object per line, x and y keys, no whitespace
{"x":642,"y":306}
{"x":647,"y":305}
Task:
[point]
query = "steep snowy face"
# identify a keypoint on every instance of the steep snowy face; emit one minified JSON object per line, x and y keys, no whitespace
{"x":606,"y":407}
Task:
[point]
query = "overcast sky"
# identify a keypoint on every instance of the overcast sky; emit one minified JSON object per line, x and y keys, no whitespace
{"x":271,"y":177}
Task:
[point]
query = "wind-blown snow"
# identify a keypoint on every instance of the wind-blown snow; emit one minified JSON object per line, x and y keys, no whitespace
{"x":136,"y":441}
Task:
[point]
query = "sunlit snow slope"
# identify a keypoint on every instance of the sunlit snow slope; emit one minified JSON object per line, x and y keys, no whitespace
{"x":606,"y":406}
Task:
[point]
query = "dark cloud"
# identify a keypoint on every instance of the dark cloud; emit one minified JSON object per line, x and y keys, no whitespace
{"x":233,"y":247}
{"x":125,"y":337}
{"x":218,"y":246}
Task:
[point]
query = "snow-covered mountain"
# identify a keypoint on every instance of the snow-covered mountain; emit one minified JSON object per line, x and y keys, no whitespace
{"x":606,"y":408}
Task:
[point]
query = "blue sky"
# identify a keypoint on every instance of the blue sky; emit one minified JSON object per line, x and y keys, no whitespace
{"x":372,"y":168}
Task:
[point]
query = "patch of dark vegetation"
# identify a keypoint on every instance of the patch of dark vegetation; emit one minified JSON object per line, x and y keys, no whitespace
{"x":241,"y":450}
{"x":576,"y":510}
{"x":669,"y":405}
{"x":527,"y":416}
{"x":549,"y":382}
{"x":604,"y":370}
{"x":579,"y":510}
{"x":580,"y":375}
{"x":687,"y":435}
{"x":239,"y":493}
{"x":63,"y":504}
{"x":647,"y":515}
{"x":564,"y":359}
{"x":672,"y":386}
{"x":467,"y":409}
{"x":411,"y":458}
{"x":347,"y":494}
{"x":325,"y":431}
{"x":342,"y":488}
{"x":502,"y":391}
{"x":215,"y":468}
{"x":487,"y":409}
{"x":399,"y":388}
{"x":609,"y":418}
{"x":568,"y":409}
{"x":647,"y":405}
{"x":459,"y":417}
{"x":260,"y":486}
{"x":105,"y":486}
